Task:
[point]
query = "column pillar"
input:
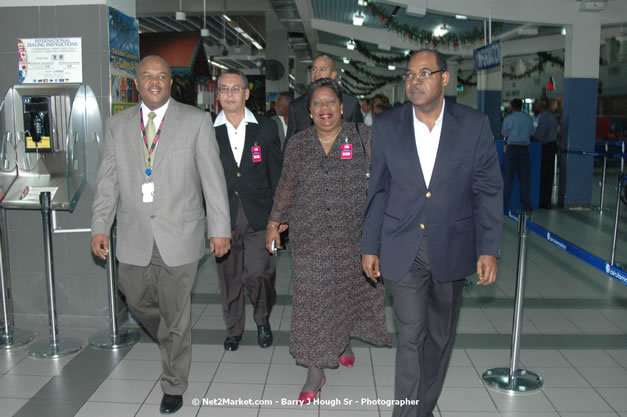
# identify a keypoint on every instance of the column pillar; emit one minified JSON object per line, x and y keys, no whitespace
{"x":581,"y":80}
{"x":301,"y":75}
{"x":489,"y":90}
{"x":450,"y":93}
{"x":276,"y":48}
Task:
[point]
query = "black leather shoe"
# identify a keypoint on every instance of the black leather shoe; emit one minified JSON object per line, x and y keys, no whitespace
{"x":170,"y":404}
{"x":264,"y":335}
{"x":232,"y":343}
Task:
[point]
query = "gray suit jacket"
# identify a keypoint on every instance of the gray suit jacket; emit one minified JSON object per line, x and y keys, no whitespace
{"x":186,"y":167}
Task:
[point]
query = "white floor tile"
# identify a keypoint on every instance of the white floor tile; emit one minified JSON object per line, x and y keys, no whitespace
{"x":287,"y":374}
{"x":488,"y":358}
{"x":108,"y":409}
{"x":249,"y":354}
{"x":589,"y":358}
{"x":228,"y":412}
{"x":39,"y":367}
{"x":535,"y":402}
{"x":616,"y":397}
{"x":300,"y":412}
{"x":465,"y":399}
{"x":384,"y":375}
{"x":540,"y":358}
{"x":152,"y":410}
{"x":605,"y":377}
{"x":234,"y":392}
{"x":561,"y":377}
{"x":207,"y":353}
{"x":122,"y":391}
{"x":136,"y":369}
{"x":10,"y":406}
{"x":350,"y":398}
{"x":355,"y":376}
{"x":144,"y":352}
{"x":588,"y":414}
{"x":251,"y":373}
{"x":282,"y":396}
{"x":385,"y":355}
{"x":348,"y":413}
{"x":576,"y":399}
{"x":21,"y":386}
{"x":202,"y":371}
{"x":462,"y":376}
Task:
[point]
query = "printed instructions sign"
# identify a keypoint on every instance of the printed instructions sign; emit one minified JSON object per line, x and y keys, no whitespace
{"x":49,"y":60}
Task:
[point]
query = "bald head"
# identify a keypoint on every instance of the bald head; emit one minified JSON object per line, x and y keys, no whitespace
{"x":153,"y":81}
{"x":323,"y":67}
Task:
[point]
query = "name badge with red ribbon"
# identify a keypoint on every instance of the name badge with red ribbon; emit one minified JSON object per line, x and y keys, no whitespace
{"x":347,"y":151}
{"x":256,"y":151}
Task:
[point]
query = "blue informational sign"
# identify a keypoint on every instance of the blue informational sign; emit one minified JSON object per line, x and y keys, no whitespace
{"x":488,"y":56}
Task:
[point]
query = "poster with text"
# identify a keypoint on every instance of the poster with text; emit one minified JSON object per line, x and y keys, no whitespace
{"x":49,"y":60}
{"x":123,"y":59}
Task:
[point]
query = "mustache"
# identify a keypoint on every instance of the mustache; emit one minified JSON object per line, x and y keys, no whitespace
{"x":415,"y":90}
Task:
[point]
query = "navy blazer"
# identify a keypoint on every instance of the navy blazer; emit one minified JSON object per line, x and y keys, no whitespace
{"x":252,"y":183}
{"x":461,"y":211}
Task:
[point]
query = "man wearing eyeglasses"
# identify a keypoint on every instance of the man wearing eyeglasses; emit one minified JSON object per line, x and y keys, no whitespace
{"x":251,"y":155}
{"x":433,"y":217}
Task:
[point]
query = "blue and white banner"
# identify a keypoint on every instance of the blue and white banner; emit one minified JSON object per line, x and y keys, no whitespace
{"x":488,"y":56}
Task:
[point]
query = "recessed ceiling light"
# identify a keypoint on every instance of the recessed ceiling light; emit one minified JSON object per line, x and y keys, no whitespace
{"x":440,"y":31}
{"x":391,"y":67}
{"x":350,"y":45}
{"x":461,"y":17}
{"x":346,"y":60}
{"x":358,"y":19}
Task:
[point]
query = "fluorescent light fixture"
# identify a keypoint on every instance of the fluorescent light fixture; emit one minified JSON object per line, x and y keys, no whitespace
{"x":292,"y":77}
{"x":180,"y":15}
{"x":529,"y":100}
{"x":362,"y":3}
{"x":461,"y":17}
{"x":407,"y":52}
{"x":217,"y":64}
{"x":564,"y":31}
{"x":346,"y":60}
{"x":391,"y":67}
{"x":440,"y":31}
{"x":204,"y":32}
{"x":225,"y":17}
{"x":358,"y":19}
{"x":528,"y":31}
{"x":350,"y":45}
{"x":257,"y":45}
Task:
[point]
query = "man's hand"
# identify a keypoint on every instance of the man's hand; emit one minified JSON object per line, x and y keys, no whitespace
{"x":273,"y":233}
{"x":220,"y":246}
{"x":100,"y":245}
{"x":370,"y":265}
{"x":486,"y":269}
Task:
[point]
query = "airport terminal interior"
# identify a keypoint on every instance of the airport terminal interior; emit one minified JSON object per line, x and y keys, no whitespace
{"x":570,"y":259}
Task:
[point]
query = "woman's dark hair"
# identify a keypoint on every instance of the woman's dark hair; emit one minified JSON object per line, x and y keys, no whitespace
{"x":323,"y":82}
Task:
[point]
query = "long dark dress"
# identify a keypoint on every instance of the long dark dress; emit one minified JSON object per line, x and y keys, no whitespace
{"x":323,"y":197}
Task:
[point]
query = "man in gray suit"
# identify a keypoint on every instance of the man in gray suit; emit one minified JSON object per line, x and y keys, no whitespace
{"x":160,"y":159}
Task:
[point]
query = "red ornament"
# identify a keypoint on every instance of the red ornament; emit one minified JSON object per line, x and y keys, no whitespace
{"x":454,"y":45}
{"x":482,"y":39}
{"x":382,"y":19}
{"x":372,"y":9}
{"x":410,"y":35}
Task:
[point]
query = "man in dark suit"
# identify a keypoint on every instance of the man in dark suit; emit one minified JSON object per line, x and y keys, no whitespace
{"x":251,"y":155}
{"x":299,"y":115}
{"x":157,"y":195}
{"x":434,"y":205}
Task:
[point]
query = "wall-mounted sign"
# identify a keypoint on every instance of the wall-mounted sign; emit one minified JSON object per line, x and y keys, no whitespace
{"x":49,"y":60}
{"x":488,"y":56}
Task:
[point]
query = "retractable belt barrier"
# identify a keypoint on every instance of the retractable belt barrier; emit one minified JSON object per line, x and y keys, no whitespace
{"x":607,"y":268}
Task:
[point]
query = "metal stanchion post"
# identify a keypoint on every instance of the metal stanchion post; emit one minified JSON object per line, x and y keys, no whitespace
{"x":115,"y":338}
{"x":602,"y":203}
{"x":619,"y":185}
{"x":554,"y":190}
{"x":514,"y":380}
{"x":55,"y":347}
{"x":11,"y":337}
{"x":622,"y":158}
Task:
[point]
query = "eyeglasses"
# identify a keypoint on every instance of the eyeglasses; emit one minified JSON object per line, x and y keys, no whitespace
{"x":236,"y":89}
{"x":421,"y":75}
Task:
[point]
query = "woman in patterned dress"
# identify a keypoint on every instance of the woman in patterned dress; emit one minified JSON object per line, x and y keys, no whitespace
{"x":321,"y":196}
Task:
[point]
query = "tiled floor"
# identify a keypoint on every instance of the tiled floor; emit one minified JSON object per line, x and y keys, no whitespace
{"x":574,"y":336}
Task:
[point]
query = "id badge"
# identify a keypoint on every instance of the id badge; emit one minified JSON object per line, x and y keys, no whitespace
{"x":256,"y":151}
{"x":347,"y":151}
{"x":148,"y":191}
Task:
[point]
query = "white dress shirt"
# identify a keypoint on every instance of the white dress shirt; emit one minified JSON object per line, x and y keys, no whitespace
{"x":427,"y":143}
{"x":237,"y":136}
{"x":282,"y":119}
